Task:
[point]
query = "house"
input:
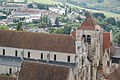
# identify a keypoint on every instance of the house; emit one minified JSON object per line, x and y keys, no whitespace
{"x":11,"y":7}
{"x":111,"y":59}
{"x":28,"y":15}
{"x":42,"y":71}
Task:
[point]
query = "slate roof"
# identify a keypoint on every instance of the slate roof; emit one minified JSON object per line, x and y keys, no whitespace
{"x":7,"y":78}
{"x":40,"y":71}
{"x":10,"y":61}
{"x":37,"y":41}
{"x":116,"y":52}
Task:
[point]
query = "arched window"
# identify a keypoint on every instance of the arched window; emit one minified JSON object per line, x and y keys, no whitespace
{"x":3,"y":51}
{"x":41,"y":55}
{"x":68,"y":58}
{"x":55,"y":57}
{"x":10,"y":71}
{"x":16,"y":53}
{"x":89,"y":39}
{"x":28,"y":54}
{"x":84,"y":38}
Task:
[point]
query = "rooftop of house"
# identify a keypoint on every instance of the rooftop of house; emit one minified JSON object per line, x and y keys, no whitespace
{"x":90,"y":24}
{"x":10,"y":5}
{"x":37,"y":41}
{"x":40,"y":71}
{"x":27,"y":11}
{"x":116,"y":52}
{"x":10,"y":61}
{"x":114,"y":75}
{"x":7,"y":78}
{"x":106,"y":40}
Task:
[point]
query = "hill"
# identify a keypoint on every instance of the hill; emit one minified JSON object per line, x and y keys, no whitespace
{"x":106,"y":5}
{"x":107,"y":13}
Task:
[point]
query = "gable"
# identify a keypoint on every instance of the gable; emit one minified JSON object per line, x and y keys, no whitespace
{"x":89,"y":23}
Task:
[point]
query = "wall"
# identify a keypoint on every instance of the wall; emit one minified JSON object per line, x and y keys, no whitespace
{"x":36,"y":54}
{"x":6,"y":69}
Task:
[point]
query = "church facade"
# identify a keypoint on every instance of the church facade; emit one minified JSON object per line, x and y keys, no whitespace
{"x":82,"y":51}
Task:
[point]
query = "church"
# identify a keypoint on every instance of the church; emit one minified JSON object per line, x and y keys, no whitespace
{"x":81,"y":52}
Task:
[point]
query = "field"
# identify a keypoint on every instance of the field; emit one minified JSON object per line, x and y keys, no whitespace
{"x":46,"y":1}
{"x":108,"y":14}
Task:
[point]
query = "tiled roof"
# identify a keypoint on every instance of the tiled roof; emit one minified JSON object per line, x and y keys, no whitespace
{"x":37,"y":41}
{"x":40,"y":71}
{"x":115,"y":75}
{"x":106,"y":40}
{"x":7,"y":78}
{"x":89,"y":23}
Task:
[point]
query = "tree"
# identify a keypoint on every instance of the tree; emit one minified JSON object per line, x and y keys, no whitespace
{"x":117,"y":38}
{"x":3,"y":27}
{"x":19,"y":26}
{"x":111,"y":20}
{"x":42,"y":25}
{"x":118,"y":23}
{"x":59,"y":31}
{"x":70,"y":10}
{"x":49,"y":23}
{"x":96,"y":15}
{"x":57,"y":22}
{"x":30,"y":6}
{"x":67,"y":30}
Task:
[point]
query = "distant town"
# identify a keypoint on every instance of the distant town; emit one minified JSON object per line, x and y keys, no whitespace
{"x":57,"y":42}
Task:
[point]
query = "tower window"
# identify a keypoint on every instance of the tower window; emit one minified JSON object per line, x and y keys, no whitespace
{"x":3,"y":51}
{"x":68,"y":58}
{"x":108,"y":63}
{"x":41,"y":55}
{"x":16,"y":53}
{"x":55,"y":57}
{"x":84,"y":38}
{"x":28,"y":54}
{"x":89,"y":39}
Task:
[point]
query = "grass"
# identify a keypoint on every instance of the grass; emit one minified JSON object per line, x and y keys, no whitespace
{"x":108,"y":14}
{"x":46,"y":1}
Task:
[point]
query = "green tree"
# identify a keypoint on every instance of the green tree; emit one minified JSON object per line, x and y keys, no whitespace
{"x":42,"y":25}
{"x":59,"y":31}
{"x":70,"y":10}
{"x":111,"y":20}
{"x":19,"y":26}
{"x":117,"y":38}
{"x":57,"y":22}
{"x":49,"y":23}
{"x":3,"y":27}
{"x":118,"y":23}
{"x":30,"y":6}
{"x":67,"y":30}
